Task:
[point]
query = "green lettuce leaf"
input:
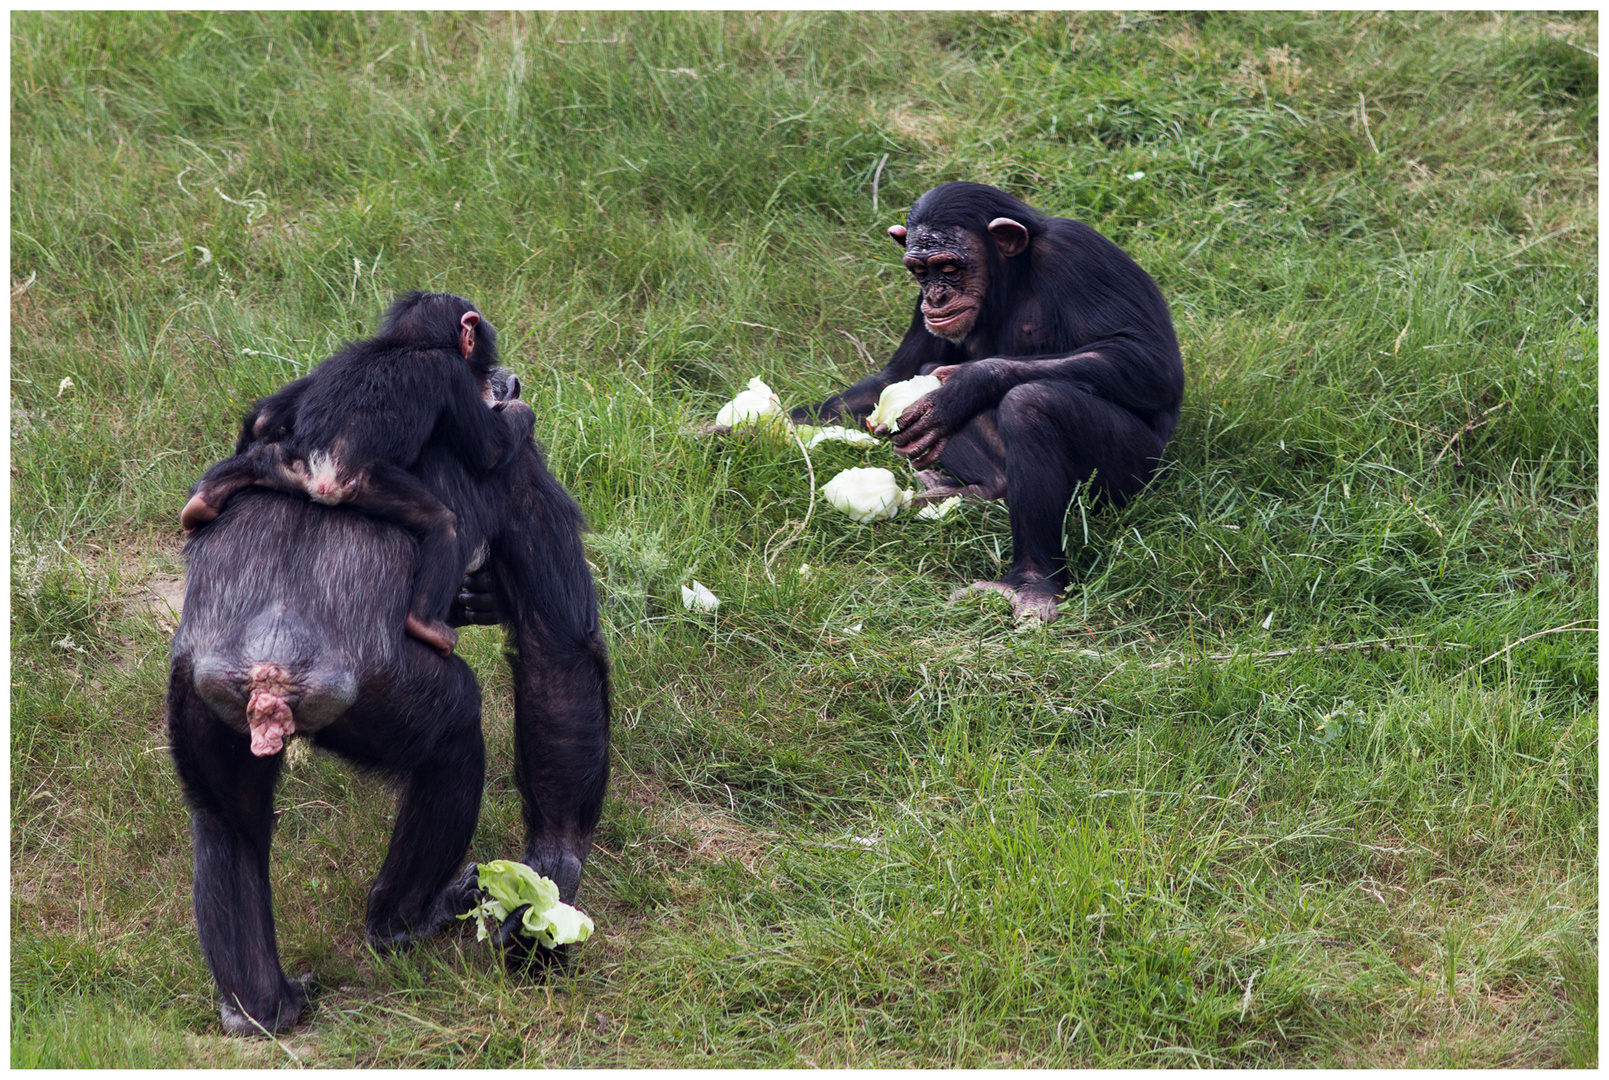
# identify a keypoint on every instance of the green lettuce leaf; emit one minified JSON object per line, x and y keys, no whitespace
{"x":510,"y":885}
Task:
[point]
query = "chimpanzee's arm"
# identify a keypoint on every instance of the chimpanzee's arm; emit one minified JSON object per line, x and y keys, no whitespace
{"x":560,"y":667}
{"x":480,"y":435}
{"x":919,"y":349}
{"x":476,"y":602}
{"x":1139,"y":375}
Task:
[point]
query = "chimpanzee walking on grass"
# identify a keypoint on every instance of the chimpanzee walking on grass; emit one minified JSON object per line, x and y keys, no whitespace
{"x":349,"y":431}
{"x":294,"y":611}
{"x":1058,"y":364}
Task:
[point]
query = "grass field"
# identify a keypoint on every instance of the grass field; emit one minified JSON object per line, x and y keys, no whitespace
{"x":1306,"y":774}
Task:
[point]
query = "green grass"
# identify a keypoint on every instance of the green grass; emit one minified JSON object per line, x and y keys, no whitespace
{"x":1199,"y":820}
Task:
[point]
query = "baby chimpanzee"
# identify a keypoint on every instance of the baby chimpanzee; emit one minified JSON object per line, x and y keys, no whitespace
{"x":348,"y":431}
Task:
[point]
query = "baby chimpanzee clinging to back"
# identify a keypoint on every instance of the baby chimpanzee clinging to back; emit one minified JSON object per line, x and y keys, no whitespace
{"x":348,"y":431}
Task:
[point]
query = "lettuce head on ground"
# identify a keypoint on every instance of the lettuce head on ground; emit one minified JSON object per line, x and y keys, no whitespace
{"x":510,"y":885}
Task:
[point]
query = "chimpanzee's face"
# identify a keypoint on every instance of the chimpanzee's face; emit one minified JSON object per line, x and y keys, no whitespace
{"x":950,"y":267}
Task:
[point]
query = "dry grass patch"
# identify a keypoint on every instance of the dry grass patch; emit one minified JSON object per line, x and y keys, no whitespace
{"x":698,"y":831}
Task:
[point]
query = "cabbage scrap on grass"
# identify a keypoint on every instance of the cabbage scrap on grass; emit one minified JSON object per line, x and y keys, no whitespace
{"x":510,"y":885}
{"x":939,"y":511}
{"x":868,"y":494}
{"x":898,"y":397}
{"x":699,"y":598}
{"x":814,"y":436}
{"x":755,"y":403}
{"x":864,"y":494}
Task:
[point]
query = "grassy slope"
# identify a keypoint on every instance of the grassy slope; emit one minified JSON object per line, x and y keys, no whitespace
{"x":1186,"y":823}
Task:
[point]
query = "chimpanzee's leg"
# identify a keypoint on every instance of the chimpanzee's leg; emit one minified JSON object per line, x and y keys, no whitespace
{"x":392,"y":494}
{"x":1056,"y":436}
{"x":231,"y":824}
{"x":425,"y":732}
{"x":263,"y":464}
{"x":976,"y":458}
{"x":561,"y":671}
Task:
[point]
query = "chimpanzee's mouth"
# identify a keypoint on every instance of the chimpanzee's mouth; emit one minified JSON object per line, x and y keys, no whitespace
{"x":940,"y":322}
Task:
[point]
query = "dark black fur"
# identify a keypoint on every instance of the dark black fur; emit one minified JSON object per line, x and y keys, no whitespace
{"x":321,"y":592}
{"x":1073,"y":369}
{"x":372,"y":406}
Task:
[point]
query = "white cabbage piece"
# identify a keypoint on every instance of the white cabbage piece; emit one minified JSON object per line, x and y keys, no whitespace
{"x":867,"y":494}
{"x":898,"y":397}
{"x":815,"y":436}
{"x":939,"y":511}
{"x":698,"y":598}
{"x":752,"y":404}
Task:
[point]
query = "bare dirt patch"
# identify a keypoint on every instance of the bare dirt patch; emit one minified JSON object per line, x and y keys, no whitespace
{"x":163,"y":599}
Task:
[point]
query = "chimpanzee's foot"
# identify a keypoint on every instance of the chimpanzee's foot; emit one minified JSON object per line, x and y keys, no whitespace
{"x":276,"y":1016}
{"x":1035,"y":597}
{"x":938,"y":482}
{"x":196,"y":513}
{"x":940,"y":485}
{"x":438,"y":635}
{"x":456,"y":898}
{"x":936,"y":487}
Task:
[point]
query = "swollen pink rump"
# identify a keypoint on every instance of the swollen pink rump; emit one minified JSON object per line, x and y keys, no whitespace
{"x":271,"y":723}
{"x":267,"y":711}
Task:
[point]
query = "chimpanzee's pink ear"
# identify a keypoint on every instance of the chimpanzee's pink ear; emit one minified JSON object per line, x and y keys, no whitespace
{"x":466,"y":332}
{"x":897,"y":232}
{"x":1009,"y":236}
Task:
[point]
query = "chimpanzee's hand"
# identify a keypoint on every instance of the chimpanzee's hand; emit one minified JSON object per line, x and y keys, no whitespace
{"x":521,"y":952}
{"x":512,"y":403}
{"x":925,"y":426}
{"x":476,"y":602}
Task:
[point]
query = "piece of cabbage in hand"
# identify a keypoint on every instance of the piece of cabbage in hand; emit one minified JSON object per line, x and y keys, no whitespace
{"x":867,"y":494}
{"x":898,"y":397}
{"x":509,"y":885}
{"x":755,"y":403}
